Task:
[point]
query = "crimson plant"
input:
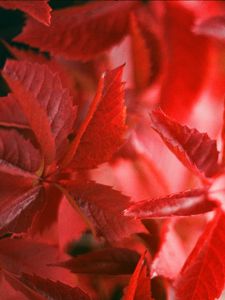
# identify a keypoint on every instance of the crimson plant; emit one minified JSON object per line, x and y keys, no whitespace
{"x":110,"y":187}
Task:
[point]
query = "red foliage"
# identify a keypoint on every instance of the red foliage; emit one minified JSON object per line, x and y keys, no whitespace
{"x":38,"y":10}
{"x":79,"y":158}
{"x":194,"y":149}
{"x":96,"y":27}
{"x":111,"y":261}
{"x":192,"y":202}
{"x":203,"y":273}
{"x":139,"y":285}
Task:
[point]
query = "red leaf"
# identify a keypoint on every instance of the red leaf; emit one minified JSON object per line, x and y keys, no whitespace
{"x":139,"y":286}
{"x":56,"y":65}
{"x":80,"y":32}
{"x":194,"y":149}
{"x":17,"y":194}
{"x":145,"y":51}
{"x":11,"y":114}
{"x":191,"y":202}
{"x":39,"y":10}
{"x":18,"y":288}
{"x":111,"y":261}
{"x":17,"y":152}
{"x":101,"y":133}
{"x":16,"y":213}
{"x":102,"y":208}
{"x":48,"y":212}
{"x":53,"y":290}
{"x":202,"y":276}
{"x":18,"y":256}
{"x":184,"y":79}
{"x":43,"y":100}
{"x":19,"y":197}
{"x":26,"y":256}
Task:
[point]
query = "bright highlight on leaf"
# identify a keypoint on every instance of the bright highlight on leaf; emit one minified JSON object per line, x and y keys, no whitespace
{"x":186,"y":203}
{"x":102,"y":132}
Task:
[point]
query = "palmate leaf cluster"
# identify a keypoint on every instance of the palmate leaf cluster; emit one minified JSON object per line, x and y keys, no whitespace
{"x":110,"y":187}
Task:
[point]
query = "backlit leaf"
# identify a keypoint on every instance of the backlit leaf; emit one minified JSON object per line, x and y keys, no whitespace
{"x":203,"y":274}
{"x":139,"y":285}
{"x":43,"y":101}
{"x":145,"y":52}
{"x":18,"y":209}
{"x":80,"y":32}
{"x":103,"y":209}
{"x":192,"y":202}
{"x":102,"y":131}
{"x":11,"y":114}
{"x":12,"y":146}
{"x":194,"y":149}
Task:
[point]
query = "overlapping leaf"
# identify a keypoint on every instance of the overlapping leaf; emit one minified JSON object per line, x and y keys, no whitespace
{"x":47,"y":213}
{"x":20,"y":256}
{"x":12,"y":288}
{"x":194,"y":149}
{"x":31,"y":186}
{"x":139,"y":285}
{"x":203,"y":274}
{"x":102,"y":208}
{"x":18,"y":209}
{"x":39,"y":10}
{"x":18,"y":161}
{"x":80,"y":32}
{"x":12,"y":153}
{"x":145,"y":52}
{"x":11,"y":114}
{"x":111,"y":261}
{"x":102,"y":131}
{"x":192,"y":202}
{"x":43,"y":101}
{"x":52,"y":290}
